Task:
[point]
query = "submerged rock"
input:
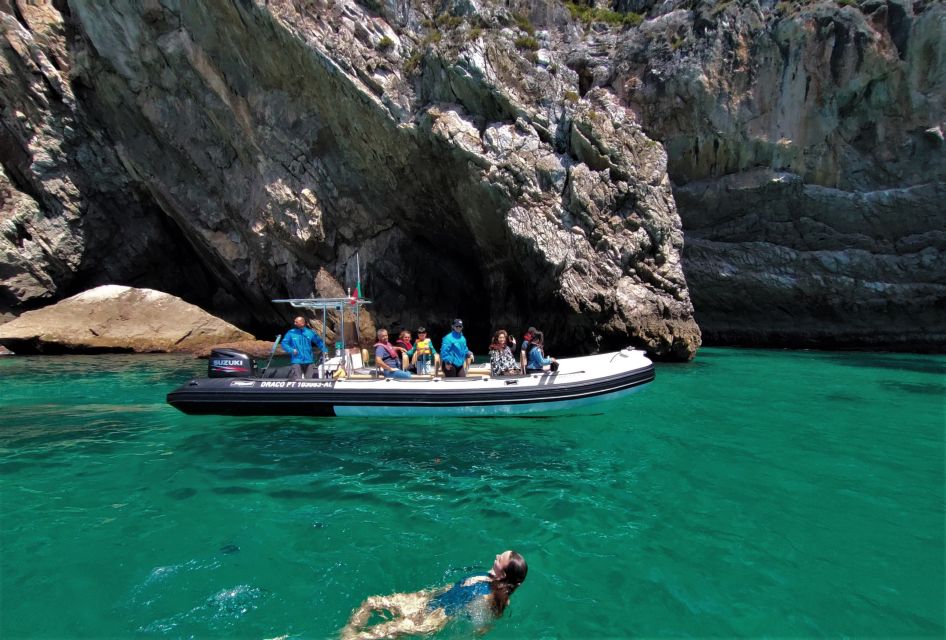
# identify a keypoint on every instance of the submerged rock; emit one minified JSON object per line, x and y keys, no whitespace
{"x":115,"y":318}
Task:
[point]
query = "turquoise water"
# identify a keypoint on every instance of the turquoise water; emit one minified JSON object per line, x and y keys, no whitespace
{"x":751,"y":493}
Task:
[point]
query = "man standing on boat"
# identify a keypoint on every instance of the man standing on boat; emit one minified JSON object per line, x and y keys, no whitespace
{"x":298,"y":343}
{"x":454,"y":352}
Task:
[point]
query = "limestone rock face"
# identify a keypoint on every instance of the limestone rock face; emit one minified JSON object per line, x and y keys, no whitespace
{"x":117,"y":318}
{"x":71,"y":215}
{"x":502,"y":162}
{"x":806,"y":148}
{"x":280,"y":138}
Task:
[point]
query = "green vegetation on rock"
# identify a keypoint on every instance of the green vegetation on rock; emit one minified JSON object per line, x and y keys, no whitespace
{"x":523,"y":22}
{"x":527,"y":42}
{"x":595,"y":14}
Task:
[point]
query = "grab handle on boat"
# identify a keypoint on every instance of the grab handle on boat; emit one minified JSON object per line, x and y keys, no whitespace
{"x":272,"y":353}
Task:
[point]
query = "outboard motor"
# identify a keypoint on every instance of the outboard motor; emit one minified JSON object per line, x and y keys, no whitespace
{"x":229,"y":363}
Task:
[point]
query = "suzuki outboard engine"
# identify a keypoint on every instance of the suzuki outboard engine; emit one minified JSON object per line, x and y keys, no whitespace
{"x":229,"y":363}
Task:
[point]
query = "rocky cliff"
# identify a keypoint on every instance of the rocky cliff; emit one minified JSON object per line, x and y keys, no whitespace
{"x":502,"y":162}
{"x":806,"y":149}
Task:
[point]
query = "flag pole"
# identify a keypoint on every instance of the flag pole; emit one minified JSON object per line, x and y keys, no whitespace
{"x":357,"y":293}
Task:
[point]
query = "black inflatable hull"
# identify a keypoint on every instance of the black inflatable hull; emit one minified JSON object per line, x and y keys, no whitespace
{"x":534,"y":394}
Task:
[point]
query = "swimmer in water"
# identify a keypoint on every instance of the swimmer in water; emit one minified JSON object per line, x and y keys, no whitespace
{"x":426,"y":612}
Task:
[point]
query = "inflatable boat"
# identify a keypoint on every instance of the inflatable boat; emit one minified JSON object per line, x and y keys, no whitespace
{"x":579,"y":382}
{"x":348,"y":386}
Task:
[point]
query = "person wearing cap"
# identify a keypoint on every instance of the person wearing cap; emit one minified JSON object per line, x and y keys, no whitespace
{"x":524,"y":347}
{"x":424,"y":357}
{"x":537,"y":358}
{"x":454,"y":353}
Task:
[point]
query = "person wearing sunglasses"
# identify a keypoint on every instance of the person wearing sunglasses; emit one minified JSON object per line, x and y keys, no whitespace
{"x":454,"y":354}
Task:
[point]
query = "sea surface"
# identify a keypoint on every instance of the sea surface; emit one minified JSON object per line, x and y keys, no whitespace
{"x":750,"y":493}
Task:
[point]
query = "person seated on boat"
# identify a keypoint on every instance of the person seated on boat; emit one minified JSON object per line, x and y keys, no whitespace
{"x":424,"y":358}
{"x":501,"y":360}
{"x":387,"y":357}
{"x":454,"y":354}
{"x":405,"y":348}
{"x":478,"y":598}
{"x":537,"y":359}
{"x":524,"y":347}
{"x":298,"y":343}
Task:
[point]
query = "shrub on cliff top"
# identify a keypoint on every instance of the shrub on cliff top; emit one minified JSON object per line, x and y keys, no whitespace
{"x":413,"y":61}
{"x":523,"y":22}
{"x":588,"y":14}
{"x":527,"y":42}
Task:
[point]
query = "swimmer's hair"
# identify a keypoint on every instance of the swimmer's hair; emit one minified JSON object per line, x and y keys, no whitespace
{"x":516,"y":572}
{"x":517,"y":569}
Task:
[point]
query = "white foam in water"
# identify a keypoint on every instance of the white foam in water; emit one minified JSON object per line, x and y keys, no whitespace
{"x":234,"y":602}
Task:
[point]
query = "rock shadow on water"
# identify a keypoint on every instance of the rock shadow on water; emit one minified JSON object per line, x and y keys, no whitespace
{"x":921,"y":388}
{"x":233,"y":490}
{"x":933,"y":364}
{"x":330,"y":491}
{"x":183,"y":493}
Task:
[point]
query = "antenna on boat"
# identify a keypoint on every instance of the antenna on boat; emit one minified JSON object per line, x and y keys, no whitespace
{"x":357,"y":297}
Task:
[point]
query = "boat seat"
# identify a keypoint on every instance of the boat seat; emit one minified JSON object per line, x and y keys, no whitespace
{"x":370,"y":374}
{"x":357,"y":357}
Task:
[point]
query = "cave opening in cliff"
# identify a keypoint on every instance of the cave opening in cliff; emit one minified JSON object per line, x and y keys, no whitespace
{"x":422,"y":284}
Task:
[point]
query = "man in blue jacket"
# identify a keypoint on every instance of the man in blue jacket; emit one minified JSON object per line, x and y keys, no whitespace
{"x":454,"y":352}
{"x":298,"y":343}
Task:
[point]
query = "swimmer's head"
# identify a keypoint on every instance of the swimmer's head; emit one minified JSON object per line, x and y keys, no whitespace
{"x":508,"y":572}
{"x":509,"y":566}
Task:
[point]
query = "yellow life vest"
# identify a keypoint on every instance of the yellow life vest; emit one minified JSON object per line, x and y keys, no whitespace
{"x":422,"y":346}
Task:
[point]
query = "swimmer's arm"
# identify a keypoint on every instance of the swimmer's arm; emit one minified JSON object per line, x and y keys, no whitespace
{"x":360,"y":618}
{"x":484,"y":623}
